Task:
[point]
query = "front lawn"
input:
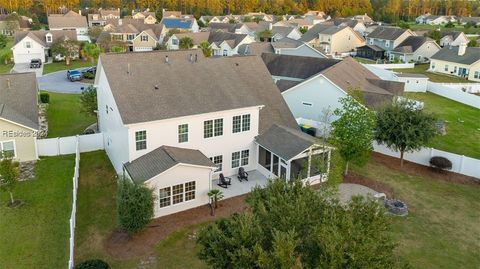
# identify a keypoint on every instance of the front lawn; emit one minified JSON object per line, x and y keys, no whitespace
{"x":36,"y":235}
{"x":462,"y":124}
{"x":59,"y":66}
{"x":441,"y":229}
{"x":434,"y":77}
{"x":65,"y":117}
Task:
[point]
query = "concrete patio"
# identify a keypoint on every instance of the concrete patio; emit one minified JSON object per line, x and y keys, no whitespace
{"x":238,"y":188}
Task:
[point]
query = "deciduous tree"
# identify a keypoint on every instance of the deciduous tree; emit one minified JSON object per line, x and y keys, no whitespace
{"x":9,"y":173}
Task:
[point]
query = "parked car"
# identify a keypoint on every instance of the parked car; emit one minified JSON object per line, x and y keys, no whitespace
{"x":91,"y":70}
{"x":74,"y":75}
{"x":35,"y":63}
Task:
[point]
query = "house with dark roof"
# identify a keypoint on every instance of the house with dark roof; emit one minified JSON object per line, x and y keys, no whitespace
{"x":461,"y":61}
{"x":357,"y":25}
{"x":70,"y":21}
{"x":227,"y":44}
{"x":472,"y":20}
{"x":386,"y":38}
{"x":30,"y":45}
{"x":19,"y":123}
{"x":454,"y":38}
{"x":170,"y":127}
{"x":311,"y":86}
{"x":285,"y":46}
{"x":415,"y":49}
{"x":333,"y":40}
{"x":184,"y":24}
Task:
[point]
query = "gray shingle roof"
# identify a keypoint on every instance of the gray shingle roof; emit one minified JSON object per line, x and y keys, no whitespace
{"x":387,"y":32}
{"x":255,"y":48}
{"x":19,"y":102}
{"x":450,"y":54}
{"x":320,"y":28}
{"x":186,"y":88}
{"x":218,"y":37}
{"x":40,"y":36}
{"x":295,"y":66}
{"x":411,"y":44}
{"x":163,"y":158}
{"x":285,"y":142}
{"x":286,"y":43}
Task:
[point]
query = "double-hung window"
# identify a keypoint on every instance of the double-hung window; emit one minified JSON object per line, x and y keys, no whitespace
{"x":218,"y":161}
{"x":212,"y":128}
{"x":241,"y":123}
{"x":189,"y":191}
{"x":144,"y":38}
{"x":446,"y":68}
{"x":7,"y":149}
{"x":165,"y":196}
{"x":177,"y":194}
{"x":244,"y":157}
{"x":476,"y":74}
{"x":141,"y":140}
{"x":182,"y":133}
{"x":240,"y":158}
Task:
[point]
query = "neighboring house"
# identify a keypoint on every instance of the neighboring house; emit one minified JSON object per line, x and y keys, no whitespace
{"x":356,"y":25}
{"x":185,"y":24}
{"x":365,"y":19}
{"x":19,"y":123}
{"x":30,"y":45}
{"x":333,"y":39}
{"x":453,"y":39}
{"x":413,"y":82}
{"x":438,"y":20}
{"x":136,"y":35}
{"x":422,"y":18}
{"x":227,"y":44}
{"x":387,"y":38}
{"x":311,"y":86}
{"x":103,"y":15}
{"x":214,"y":19}
{"x":8,"y":27}
{"x":197,"y":38}
{"x":171,"y":14}
{"x":461,"y":61}
{"x":145,"y":16}
{"x":237,"y":28}
{"x":280,"y":32}
{"x":473,"y":20}
{"x":260,"y":16}
{"x":174,"y":130}
{"x":285,"y":46}
{"x":315,"y":17}
{"x":370,"y":52}
{"x":70,"y":21}
{"x":415,"y":49}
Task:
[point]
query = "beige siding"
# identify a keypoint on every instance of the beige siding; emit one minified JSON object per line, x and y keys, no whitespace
{"x":25,"y":140}
{"x":138,"y":43}
{"x":440,"y":68}
{"x":345,"y":41}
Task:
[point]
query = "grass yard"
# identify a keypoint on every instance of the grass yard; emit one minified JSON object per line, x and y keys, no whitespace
{"x":364,"y":60}
{"x":65,"y":117}
{"x":59,"y":66}
{"x":441,"y":229}
{"x":434,"y":77}
{"x":36,"y":234}
{"x":462,"y":124}
{"x":461,"y":28}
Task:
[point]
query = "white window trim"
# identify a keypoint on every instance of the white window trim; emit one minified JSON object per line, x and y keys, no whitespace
{"x":213,"y":128}
{"x":14,"y":147}
{"x":135,"y":139}
{"x":178,"y":133}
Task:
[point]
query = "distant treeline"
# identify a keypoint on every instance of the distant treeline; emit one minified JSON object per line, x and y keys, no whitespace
{"x":385,"y":10}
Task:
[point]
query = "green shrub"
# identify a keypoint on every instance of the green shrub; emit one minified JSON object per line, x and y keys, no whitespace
{"x":134,"y":206}
{"x":441,"y":163}
{"x":89,"y":76}
{"x":92,"y":264}
{"x":44,"y":98}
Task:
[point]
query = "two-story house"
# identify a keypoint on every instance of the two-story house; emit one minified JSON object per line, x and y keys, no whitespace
{"x":454,"y":38}
{"x":70,"y":21}
{"x":146,"y":16}
{"x":227,"y":44}
{"x":382,"y":40}
{"x":333,"y":40}
{"x":30,"y":45}
{"x":285,"y":46}
{"x":168,"y":126}
{"x":103,"y":15}
{"x":173,"y":43}
{"x":19,"y":123}
{"x":415,"y":49}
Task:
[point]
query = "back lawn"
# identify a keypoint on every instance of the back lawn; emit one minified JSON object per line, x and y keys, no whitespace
{"x":36,"y":235}
{"x":440,"y":231}
{"x":434,"y":77}
{"x":59,"y":66}
{"x":65,"y":117}
{"x":462,"y":124}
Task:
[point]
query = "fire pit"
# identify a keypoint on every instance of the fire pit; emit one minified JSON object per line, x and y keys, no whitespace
{"x":396,"y":207}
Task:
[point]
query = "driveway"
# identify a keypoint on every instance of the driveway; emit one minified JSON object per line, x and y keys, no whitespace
{"x":25,"y":67}
{"x":58,"y":82}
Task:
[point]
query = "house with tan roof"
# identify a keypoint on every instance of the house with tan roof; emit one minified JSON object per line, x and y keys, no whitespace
{"x":70,"y":21}
{"x":103,"y":15}
{"x":312,"y":85}
{"x":333,"y":40}
{"x":166,"y":126}
{"x":30,"y":45}
{"x":19,"y":124}
{"x":146,"y":16}
{"x":10,"y":23}
{"x":197,"y":38}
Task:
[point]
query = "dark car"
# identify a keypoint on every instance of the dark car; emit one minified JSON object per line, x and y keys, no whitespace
{"x":91,"y":70}
{"x":74,"y":75}
{"x":35,"y":63}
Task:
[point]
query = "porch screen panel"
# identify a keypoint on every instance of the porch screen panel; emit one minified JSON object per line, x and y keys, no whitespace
{"x":265,"y":158}
{"x":275,"y":164}
{"x":299,"y":168}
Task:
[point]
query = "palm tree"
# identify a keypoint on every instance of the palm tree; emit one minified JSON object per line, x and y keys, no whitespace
{"x":205,"y":47}
{"x":185,"y":42}
{"x":214,"y":195}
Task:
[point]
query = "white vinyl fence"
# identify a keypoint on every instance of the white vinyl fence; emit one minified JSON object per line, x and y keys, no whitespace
{"x":466,"y":87}
{"x":74,"y":202}
{"x":460,"y":164}
{"x":455,"y":93}
{"x":67,"y":145}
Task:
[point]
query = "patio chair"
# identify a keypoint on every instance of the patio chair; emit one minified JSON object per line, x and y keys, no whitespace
{"x":242,"y":175}
{"x":224,"y":181}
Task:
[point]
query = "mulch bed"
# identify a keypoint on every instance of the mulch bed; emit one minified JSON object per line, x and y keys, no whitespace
{"x":423,"y":171}
{"x":122,"y":246}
